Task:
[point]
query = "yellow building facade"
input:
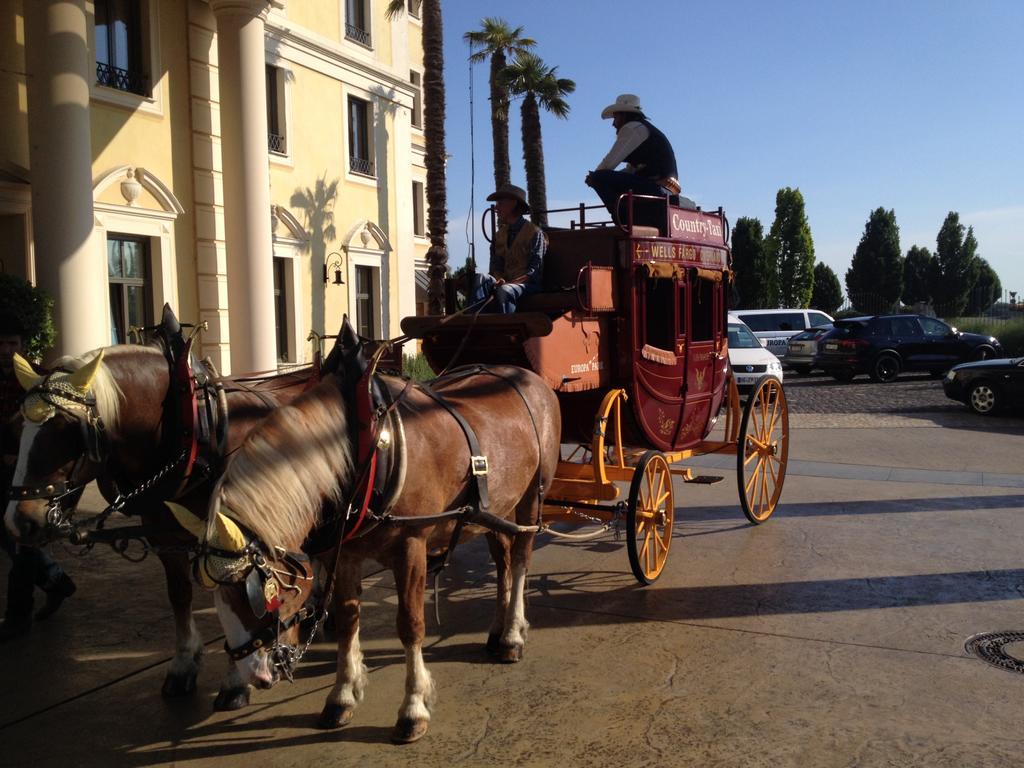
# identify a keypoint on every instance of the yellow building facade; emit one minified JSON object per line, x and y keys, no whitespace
{"x":257,"y":165}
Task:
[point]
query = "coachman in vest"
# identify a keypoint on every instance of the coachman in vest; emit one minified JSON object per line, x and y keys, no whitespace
{"x":650,"y":165}
{"x":517,"y":254}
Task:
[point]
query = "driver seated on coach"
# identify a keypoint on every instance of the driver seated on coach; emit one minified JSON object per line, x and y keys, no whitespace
{"x":517,"y":254}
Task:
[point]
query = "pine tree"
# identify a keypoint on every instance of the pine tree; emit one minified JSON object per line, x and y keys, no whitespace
{"x":874,"y":281}
{"x":987,"y":290}
{"x":791,"y":247}
{"x":828,"y":293}
{"x":955,"y":267}
{"x":916,"y":268}
{"x":756,"y":278}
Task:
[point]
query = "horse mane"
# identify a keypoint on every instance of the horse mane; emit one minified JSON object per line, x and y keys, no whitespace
{"x":104,"y":388}
{"x":299,"y":457}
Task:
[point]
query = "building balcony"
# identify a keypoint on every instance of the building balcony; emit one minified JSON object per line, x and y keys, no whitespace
{"x":362,"y":165}
{"x":358,"y":34}
{"x":121,"y":79}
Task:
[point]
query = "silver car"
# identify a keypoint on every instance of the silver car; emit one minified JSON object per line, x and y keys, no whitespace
{"x":802,"y":350}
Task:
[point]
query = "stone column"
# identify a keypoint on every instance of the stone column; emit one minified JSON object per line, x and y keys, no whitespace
{"x":243,"y":110}
{"x":67,"y":265}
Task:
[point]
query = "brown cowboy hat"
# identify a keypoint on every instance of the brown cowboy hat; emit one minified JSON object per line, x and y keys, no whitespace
{"x":511,"y":192}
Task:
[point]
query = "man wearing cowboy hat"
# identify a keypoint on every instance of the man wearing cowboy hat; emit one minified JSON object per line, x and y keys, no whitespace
{"x":650,"y":163}
{"x":517,"y":253}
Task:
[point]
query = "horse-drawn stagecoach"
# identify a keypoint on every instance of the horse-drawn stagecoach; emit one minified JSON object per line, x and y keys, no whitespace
{"x":625,"y":356}
{"x":630,"y":333}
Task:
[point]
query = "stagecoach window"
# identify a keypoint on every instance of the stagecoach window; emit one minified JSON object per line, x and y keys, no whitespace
{"x":702,"y":311}
{"x":659,"y":313}
{"x":682,"y":311}
{"x":127,"y":272}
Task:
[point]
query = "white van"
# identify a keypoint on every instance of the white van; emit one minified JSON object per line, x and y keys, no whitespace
{"x":775,"y":326}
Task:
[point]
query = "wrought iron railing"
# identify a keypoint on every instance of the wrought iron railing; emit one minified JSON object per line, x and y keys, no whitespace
{"x":121,"y":79}
{"x":276,"y":143}
{"x":361,"y":165}
{"x":358,"y":34}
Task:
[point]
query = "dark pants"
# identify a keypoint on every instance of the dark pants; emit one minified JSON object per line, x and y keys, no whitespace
{"x":30,"y":568}
{"x":506,"y":296}
{"x":611,"y":185}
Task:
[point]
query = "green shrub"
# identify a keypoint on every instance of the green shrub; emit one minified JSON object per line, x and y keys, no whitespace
{"x":416,"y":367}
{"x":1009,"y":332}
{"x":34,"y":308}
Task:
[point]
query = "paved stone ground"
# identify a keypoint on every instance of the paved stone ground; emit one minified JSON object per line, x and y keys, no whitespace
{"x":832,"y":635}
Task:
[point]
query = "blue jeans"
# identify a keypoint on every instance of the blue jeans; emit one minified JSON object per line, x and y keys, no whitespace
{"x":506,"y":295}
{"x":610,"y":185}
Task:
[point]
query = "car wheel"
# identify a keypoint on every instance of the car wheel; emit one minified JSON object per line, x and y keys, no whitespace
{"x":886,"y":368}
{"x":983,"y":398}
{"x":983,"y":353}
{"x":843,"y":375}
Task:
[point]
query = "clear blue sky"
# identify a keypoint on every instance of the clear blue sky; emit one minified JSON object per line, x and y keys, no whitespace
{"x":916,"y":106}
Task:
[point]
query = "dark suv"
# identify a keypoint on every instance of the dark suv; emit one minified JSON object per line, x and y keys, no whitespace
{"x":883,"y":345}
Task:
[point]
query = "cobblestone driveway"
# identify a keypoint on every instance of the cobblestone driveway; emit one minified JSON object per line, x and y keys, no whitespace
{"x":912,"y":400}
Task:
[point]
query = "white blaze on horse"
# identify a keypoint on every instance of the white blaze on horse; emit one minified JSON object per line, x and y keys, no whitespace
{"x":298,"y":471}
{"x":113,"y":416}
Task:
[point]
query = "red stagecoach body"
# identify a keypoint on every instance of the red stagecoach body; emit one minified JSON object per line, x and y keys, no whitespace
{"x":642,"y":309}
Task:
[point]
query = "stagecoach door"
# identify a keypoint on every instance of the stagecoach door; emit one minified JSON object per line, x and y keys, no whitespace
{"x":660,"y":349}
{"x":706,"y":342}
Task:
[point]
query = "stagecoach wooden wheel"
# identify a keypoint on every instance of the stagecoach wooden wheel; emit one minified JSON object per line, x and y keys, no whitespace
{"x":763,"y":449}
{"x":649,"y":517}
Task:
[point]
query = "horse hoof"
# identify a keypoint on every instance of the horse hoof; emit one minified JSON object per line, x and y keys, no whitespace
{"x":510,"y":654}
{"x":176,"y":686}
{"x":408,"y":730}
{"x":335,"y":716}
{"x":230,"y":699}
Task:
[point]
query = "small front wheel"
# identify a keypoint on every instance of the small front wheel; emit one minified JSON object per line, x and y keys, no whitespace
{"x":649,"y":517}
{"x":763,"y":450}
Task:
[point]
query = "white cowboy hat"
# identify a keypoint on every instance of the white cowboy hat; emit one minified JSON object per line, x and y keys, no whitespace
{"x":625,"y":102}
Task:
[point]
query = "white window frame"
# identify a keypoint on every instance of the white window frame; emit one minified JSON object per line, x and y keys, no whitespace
{"x":357,"y":93}
{"x":371,"y":22}
{"x":157,"y":225}
{"x":422,"y":186}
{"x":16,"y":200}
{"x":285,"y":77}
{"x":153,"y":103}
{"x":290,"y":247}
{"x":417,"y":102}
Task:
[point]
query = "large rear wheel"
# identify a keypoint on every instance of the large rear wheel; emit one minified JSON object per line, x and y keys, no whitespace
{"x":763,"y":450}
{"x":649,"y":517}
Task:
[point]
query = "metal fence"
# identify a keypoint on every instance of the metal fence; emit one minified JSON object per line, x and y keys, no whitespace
{"x":1007,"y":307}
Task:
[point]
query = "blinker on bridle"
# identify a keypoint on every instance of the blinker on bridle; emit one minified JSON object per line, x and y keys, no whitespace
{"x":93,"y":431}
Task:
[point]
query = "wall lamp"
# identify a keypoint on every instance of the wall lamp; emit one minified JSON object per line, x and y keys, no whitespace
{"x":334,"y":266}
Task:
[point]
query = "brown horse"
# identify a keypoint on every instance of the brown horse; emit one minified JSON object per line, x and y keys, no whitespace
{"x":102,"y":417}
{"x":300,"y":463}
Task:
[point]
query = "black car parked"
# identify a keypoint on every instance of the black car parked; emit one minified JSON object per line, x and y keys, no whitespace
{"x":884,"y":345}
{"x":987,"y":386}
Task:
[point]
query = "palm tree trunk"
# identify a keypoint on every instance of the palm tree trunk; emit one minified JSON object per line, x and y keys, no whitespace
{"x":533,"y":157}
{"x":499,"y":123}
{"x":435,"y":157}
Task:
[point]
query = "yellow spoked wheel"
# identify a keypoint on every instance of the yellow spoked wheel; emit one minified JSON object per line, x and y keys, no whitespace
{"x":763,"y":449}
{"x":649,"y":517}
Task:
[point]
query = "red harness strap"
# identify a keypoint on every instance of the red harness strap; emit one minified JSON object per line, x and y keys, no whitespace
{"x":366,"y":449}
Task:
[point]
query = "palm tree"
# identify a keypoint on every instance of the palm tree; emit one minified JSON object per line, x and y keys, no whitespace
{"x":433,"y":134}
{"x":539,"y":85}
{"x":499,"y":42}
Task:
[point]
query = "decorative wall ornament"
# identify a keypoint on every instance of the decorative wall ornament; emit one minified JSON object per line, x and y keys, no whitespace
{"x":130,"y":187}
